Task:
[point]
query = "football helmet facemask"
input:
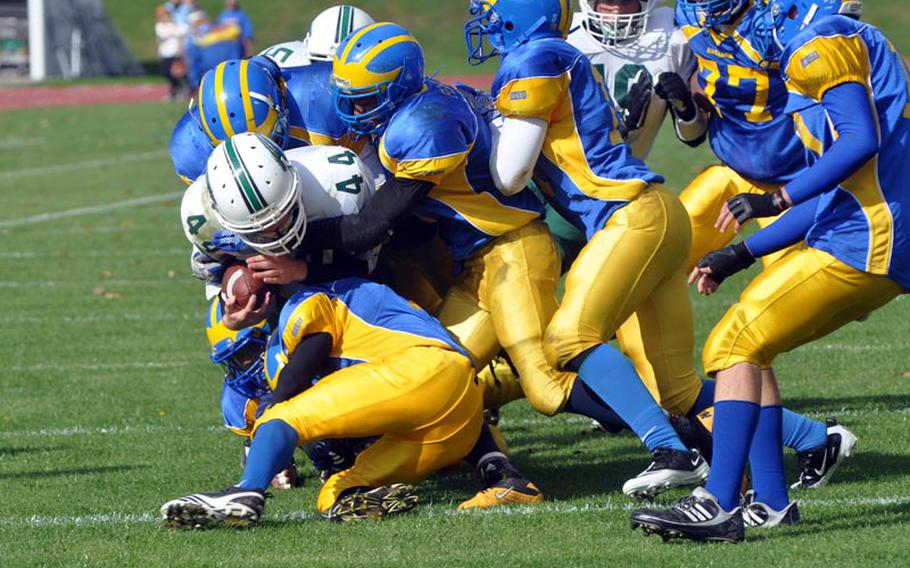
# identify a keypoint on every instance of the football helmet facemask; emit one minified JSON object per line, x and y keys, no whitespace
{"x":240,"y":353}
{"x":614,"y":29}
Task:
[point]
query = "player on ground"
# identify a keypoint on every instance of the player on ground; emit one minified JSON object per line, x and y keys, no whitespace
{"x":849,"y":96}
{"x":558,"y":116}
{"x":389,"y":369}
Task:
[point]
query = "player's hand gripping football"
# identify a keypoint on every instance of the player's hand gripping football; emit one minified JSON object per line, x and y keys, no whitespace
{"x":237,"y":317}
{"x":279,"y":270}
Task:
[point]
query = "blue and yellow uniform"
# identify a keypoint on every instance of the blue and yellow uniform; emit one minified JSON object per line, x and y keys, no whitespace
{"x":749,"y":130}
{"x":505,"y":293}
{"x":393,"y":372}
{"x":858,"y":255}
{"x":311,"y":118}
{"x":629,"y":278}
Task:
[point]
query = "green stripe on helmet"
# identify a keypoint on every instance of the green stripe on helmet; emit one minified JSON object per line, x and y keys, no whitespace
{"x":345,"y":21}
{"x":251,"y":196}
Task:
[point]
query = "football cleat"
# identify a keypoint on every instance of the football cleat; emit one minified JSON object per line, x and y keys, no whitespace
{"x":816,"y":466}
{"x":509,"y":491}
{"x":696,"y":517}
{"x":668,"y":469}
{"x":234,"y":507}
{"x":760,"y":515}
{"x":373,"y":504}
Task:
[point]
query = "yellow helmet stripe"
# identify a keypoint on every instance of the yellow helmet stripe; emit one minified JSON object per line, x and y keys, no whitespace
{"x":245,"y":94}
{"x":357,"y":36}
{"x":222,"y":108}
{"x":566,"y":18}
{"x":205,"y":123}
{"x":371,"y":55}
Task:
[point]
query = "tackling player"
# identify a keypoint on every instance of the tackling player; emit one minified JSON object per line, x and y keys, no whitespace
{"x":849,"y":97}
{"x":389,"y":369}
{"x":558,"y":116}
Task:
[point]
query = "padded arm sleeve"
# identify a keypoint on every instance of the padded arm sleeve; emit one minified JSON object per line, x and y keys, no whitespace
{"x":858,"y":140}
{"x":371,"y":226}
{"x":790,"y":229}
{"x":516,"y":147}
{"x":303,"y":364}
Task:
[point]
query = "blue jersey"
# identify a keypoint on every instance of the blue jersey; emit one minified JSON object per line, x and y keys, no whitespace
{"x":584,"y":168}
{"x":865,"y":222}
{"x":440,"y":137}
{"x":311,"y":121}
{"x":749,"y":129}
{"x":367,"y":322}
{"x":239,"y":411}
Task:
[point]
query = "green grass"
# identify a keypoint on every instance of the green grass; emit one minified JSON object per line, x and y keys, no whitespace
{"x":109,"y":406}
{"x":438,"y":25}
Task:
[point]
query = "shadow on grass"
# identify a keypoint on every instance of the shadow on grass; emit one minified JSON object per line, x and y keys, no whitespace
{"x":883,"y":402}
{"x":847,"y":519}
{"x":72,"y":471}
{"x":16,"y":451}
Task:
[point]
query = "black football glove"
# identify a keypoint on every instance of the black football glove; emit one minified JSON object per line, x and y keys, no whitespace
{"x":673,"y":89}
{"x":634,"y":107}
{"x":747,"y":206}
{"x":727,"y":261}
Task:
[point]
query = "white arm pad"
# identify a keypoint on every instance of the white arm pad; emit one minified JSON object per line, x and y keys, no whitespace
{"x":516,"y":147}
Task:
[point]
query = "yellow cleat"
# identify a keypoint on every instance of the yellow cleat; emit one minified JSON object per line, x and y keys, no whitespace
{"x":510,"y":491}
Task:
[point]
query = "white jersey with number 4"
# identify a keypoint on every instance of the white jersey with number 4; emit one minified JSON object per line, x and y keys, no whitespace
{"x":333,"y":182}
{"x":662,"y":48}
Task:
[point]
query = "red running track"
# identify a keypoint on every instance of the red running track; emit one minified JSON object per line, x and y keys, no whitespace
{"x":13,"y":98}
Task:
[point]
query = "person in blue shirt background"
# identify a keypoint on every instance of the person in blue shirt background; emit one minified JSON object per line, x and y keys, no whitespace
{"x":233,"y":13}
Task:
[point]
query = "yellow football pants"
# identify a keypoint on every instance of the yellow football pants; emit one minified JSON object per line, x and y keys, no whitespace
{"x":630,"y":279}
{"x":802,"y":297}
{"x":423,"y":401}
{"x":422,"y":274}
{"x":504,"y":298}
{"x":703,"y":199}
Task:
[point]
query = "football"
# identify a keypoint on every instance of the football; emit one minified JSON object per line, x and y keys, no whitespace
{"x":238,"y":282}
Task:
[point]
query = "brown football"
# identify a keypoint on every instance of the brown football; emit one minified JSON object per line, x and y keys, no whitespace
{"x":238,"y":282}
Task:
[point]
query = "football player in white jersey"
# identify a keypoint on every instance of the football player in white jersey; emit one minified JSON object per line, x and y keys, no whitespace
{"x":271,"y":196}
{"x":326,"y":31}
{"x":646,"y":63}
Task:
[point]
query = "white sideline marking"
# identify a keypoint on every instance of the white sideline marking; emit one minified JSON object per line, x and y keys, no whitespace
{"x":432,"y":511}
{"x":79,"y":211}
{"x":83,"y":165}
{"x":25,"y":255}
{"x":9,"y":143}
{"x":99,"y":366}
{"x":104,"y":283}
{"x":81,"y":320}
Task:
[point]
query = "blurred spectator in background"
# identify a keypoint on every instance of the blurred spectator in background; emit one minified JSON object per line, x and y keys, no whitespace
{"x":170,"y":36}
{"x":208,"y":45}
{"x":180,"y":10}
{"x":233,"y":13}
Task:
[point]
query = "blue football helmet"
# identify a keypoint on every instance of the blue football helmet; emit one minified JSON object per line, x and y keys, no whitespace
{"x":239,"y":352}
{"x":708,"y":13}
{"x":375,"y":68}
{"x":243,"y":95}
{"x":508,"y":24}
{"x":781,"y":20}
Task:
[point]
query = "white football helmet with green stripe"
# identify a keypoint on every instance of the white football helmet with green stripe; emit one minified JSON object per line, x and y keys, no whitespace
{"x":330,"y":27}
{"x":255,"y":193}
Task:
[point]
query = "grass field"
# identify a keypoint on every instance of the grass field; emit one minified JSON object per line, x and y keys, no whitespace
{"x":108,"y":405}
{"x":438,"y":25}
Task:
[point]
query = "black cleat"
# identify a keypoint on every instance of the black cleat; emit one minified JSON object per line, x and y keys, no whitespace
{"x":373,"y":504}
{"x":233,"y":507}
{"x":669,"y":469}
{"x":759,"y":515}
{"x":816,"y":466}
{"x":697,"y":517}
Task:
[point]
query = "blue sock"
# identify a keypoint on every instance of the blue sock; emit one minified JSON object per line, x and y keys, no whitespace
{"x":801,"y":433}
{"x":270,"y":453}
{"x":766,"y":459}
{"x":613,"y":378}
{"x":734,"y":425}
{"x":582,"y":400}
{"x":705,"y":398}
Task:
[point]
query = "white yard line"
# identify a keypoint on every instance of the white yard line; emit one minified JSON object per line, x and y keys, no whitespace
{"x":104,"y":283}
{"x":59,"y":367}
{"x":27,"y":255}
{"x":432,"y":511}
{"x":106,"y":431}
{"x":98,"y":318}
{"x":92,"y":209}
{"x":83,"y":165}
